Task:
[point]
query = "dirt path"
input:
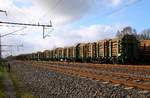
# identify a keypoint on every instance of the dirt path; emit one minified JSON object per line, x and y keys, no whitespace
{"x":9,"y":88}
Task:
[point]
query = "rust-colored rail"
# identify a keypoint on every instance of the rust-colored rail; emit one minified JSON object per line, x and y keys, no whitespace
{"x":130,"y":68}
{"x":119,"y":78}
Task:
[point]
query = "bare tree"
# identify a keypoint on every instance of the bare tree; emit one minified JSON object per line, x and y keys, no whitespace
{"x":145,"y":34}
{"x":126,"y":31}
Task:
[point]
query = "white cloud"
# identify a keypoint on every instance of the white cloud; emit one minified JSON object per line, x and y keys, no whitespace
{"x":116,"y":2}
{"x":63,"y":36}
{"x":61,"y":13}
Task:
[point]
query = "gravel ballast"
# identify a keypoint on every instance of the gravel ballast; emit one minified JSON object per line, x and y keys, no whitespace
{"x":44,"y":83}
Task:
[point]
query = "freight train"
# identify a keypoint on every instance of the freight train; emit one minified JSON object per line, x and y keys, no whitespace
{"x":118,"y":50}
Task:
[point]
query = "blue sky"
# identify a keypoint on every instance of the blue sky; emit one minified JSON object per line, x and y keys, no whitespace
{"x":73,"y":21}
{"x":136,"y":15}
{"x":21,"y":4}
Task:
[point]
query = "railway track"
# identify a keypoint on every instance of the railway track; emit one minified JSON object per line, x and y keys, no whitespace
{"x":132,"y":70}
{"x":98,"y":71}
{"x":96,"y":74}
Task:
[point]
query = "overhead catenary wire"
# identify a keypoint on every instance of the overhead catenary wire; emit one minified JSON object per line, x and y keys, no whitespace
{"x":52,"y":9}
{"x":13,"y":45}
{"x":8,"y":26}
{"x":30,"y":20}
{"x":7,"y":35}
{"x":27,"y":24}
{"x":14,"y":32}
{"x":21,"y":24}
{"x":125,"y":6}
{"x":2,"y":25}
{"x":19,"y":11}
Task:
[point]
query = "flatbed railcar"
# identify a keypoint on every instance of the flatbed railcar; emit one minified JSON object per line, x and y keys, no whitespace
{"x":118,"y":50}
{"x":145,"y":50}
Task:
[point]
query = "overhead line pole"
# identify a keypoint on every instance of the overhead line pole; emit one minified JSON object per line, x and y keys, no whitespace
{"x":4,"y":36}
{"x":8,"y":46}
{"x":0,"y":36}
{"x":27,"y":24}
{"x":0,"y":48}
{"x":4,"y":12}
{"x":22,"y":24}
{"x":17,"y":46}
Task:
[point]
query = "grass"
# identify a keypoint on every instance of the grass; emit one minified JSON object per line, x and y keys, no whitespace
{"x":2,"y":72}
{"x":21,"y":91}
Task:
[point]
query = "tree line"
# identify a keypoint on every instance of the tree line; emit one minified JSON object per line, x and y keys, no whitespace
{"x":144,"y":35}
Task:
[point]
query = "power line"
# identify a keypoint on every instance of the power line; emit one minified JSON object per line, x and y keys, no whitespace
{"x":9,"y":45}
{"x":57,"y":3}
{"x":13,"y":32}
{"x":27,"y":24}
{"x":9,"y":26}
{"x":20,"y":24}
{"x":13,"y":45}
{"x":6,"y":50}
{"x":17,"y":46}
{"x":52,"y":10}
{"x":126,"y":6}
{"x":13,"y":23}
